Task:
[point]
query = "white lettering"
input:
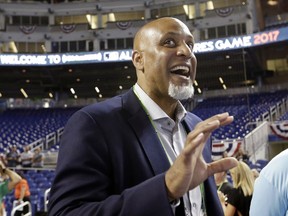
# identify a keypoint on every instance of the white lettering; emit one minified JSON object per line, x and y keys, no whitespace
{"x":111,"y":56}
{"x":23,"y":59}
{"x":77,"y":58}
{"x":233,"y":43}
{"x":247,"y":41}
{"x":125,"y":55}
{"x":203,"y":46}
{"x":8,"y":59}
{"x":54,"y":59}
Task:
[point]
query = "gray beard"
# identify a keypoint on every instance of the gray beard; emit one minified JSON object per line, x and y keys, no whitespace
{"x":181,"y":92}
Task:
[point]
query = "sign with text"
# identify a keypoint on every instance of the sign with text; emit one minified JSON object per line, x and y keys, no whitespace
{"x":261,"y":38}
{"x":65,"y":58}
{"x":257,"y":39}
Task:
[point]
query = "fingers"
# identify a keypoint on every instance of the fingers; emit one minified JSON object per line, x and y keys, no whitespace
{"x":222,"y":165}
{"x":209,"y":125}
{"x":178,"y":177}
{"x":2,"y":167}
{"x":194,"y":142}
{"x":205,"y":128}
{"x":221,"y":196}
{"x":181,"y":176}
{"x":223,"y":118}
{"x":227,"y":121}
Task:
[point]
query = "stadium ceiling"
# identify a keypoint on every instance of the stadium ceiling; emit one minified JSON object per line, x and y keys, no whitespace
{"x":237,"y":68}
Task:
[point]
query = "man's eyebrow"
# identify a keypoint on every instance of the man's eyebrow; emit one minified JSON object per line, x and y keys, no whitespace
{"x":177,"y":34}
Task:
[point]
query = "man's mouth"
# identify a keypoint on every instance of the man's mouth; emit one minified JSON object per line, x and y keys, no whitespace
{"x":181,"y":70}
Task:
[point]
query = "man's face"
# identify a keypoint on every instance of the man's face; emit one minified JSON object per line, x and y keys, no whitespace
{"x":169,"y":63}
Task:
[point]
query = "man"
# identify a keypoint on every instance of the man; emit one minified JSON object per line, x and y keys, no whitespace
{"x":26,"y":157}
{"x":270,"y":196}
{"x":38,"y":158}
{"x":13,"y":157}
{"x":140,"y":153}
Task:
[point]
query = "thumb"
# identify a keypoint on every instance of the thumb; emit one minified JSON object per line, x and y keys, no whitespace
{"x":222,"y":165}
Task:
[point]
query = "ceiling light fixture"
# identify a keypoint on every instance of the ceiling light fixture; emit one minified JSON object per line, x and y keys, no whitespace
{"x":221,"y":80}
{"x":97,"y":89}
{"x":72,"y":90}
{"x":24,"y":93}
{"x":272,"y":2}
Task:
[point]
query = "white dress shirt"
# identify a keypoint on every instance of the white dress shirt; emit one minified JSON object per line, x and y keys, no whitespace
{"x":172,"y":135}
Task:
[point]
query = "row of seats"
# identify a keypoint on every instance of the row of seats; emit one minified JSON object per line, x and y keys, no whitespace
{"x":244,"y":108}
{"x":283,"y":117}
{"x":39,"y":182}
{"x":23,"y":126}
{"x":258,"y":165}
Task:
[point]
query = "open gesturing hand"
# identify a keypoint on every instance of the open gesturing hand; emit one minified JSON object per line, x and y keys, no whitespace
{"x":190,"y":169}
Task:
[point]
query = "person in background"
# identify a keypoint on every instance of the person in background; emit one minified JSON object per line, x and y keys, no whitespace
{"x":142,"y":153}
{"x":13,"y":157}
{"x":270,"y":195}
{"x":223,"y":185}
{"x":225,"y":154}
{"x":242,"y":155}
{"x":255,"y":173}
{"x":239,"y":198}
{"x":9,"y":179}
{"x":38,"y":158}
{"x":22,"y":194}
{"x":26,"y":157}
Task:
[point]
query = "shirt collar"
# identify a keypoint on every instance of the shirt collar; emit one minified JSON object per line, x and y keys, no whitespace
{"x":152,"y":108}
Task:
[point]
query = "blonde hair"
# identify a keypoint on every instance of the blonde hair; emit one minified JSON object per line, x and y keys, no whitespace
{"x":242,"y":177}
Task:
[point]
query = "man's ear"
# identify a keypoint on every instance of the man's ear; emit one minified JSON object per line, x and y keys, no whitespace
{"x":137,"y":59}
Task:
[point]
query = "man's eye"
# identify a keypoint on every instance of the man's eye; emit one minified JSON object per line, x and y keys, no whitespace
{"x":169,"y":43}
{"x":191,"y":45}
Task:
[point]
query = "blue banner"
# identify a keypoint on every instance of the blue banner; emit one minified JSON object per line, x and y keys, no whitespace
{"x":257,"y":39}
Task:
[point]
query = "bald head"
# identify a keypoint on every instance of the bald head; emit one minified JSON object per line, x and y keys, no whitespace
{"x":146,"y":32}
{"x":164,"y":59}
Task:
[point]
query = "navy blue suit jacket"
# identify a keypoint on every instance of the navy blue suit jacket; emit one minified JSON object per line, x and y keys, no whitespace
{"x":111,"y":162}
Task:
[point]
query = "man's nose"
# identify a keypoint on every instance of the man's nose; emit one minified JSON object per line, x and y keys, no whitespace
{"x":184,"y":50}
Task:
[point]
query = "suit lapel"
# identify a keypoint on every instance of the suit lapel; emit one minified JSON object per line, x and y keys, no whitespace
{"x":146,"y":133}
